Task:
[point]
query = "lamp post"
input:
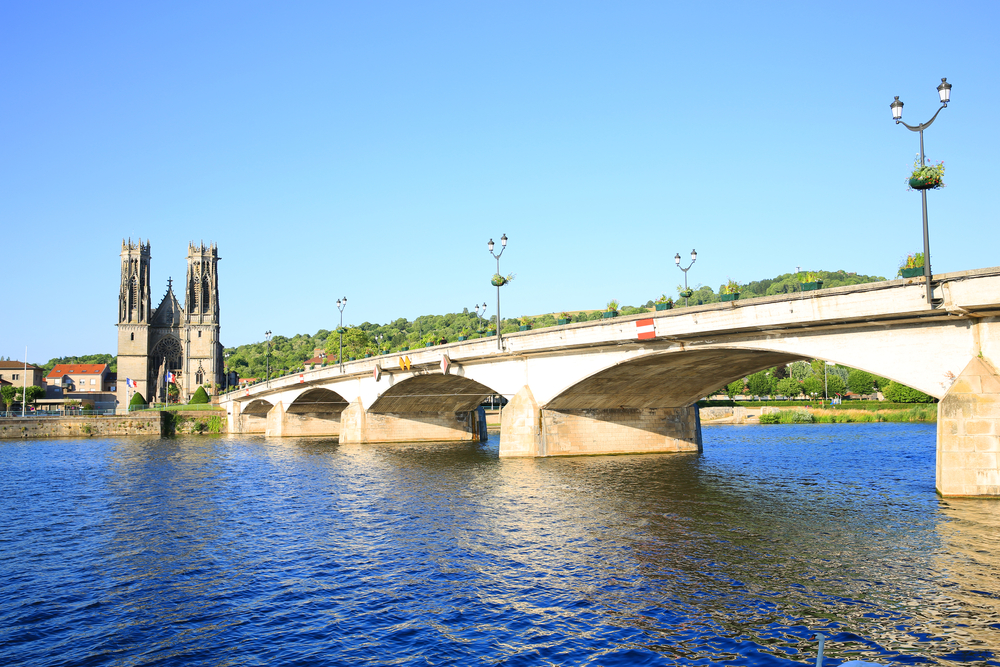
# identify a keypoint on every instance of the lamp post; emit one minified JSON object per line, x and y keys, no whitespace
{"x":503,"y":246}
{"x":479,"y":316}
{"x":944,"y":92}
{"x":379,"y":337}
{"x":226,"y":369}
{"x":341,"y":304}
{"x":267,"y":336}
{"x":677,"y":261}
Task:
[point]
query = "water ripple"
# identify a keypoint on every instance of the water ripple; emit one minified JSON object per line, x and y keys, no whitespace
{"x":246,"y":551}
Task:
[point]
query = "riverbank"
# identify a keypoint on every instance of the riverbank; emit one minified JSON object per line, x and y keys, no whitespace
{"x":923,"y":413}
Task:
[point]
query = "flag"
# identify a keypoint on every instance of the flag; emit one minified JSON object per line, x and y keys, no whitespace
{"x":171,"y":377}
{"x":129,"y":383}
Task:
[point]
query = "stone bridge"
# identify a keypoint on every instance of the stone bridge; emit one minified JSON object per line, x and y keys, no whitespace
{"x":629,"y":384}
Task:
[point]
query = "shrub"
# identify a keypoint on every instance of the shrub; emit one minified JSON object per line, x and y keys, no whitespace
{"x":137,"y":399}
{"x":770,"y":418}
{"x":200,"y":396}
{"x":900,"y":393}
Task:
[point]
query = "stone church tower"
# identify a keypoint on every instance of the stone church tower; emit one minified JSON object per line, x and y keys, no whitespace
{"x":171,"y":338}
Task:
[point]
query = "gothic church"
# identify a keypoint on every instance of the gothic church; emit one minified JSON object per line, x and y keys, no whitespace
{"x":170,"y":339}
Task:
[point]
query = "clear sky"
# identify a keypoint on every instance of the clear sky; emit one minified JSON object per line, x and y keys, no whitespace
{"x":371,"y":149}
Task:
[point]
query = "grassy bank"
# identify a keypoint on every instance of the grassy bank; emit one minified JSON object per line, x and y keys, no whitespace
{"x":918,"y":413}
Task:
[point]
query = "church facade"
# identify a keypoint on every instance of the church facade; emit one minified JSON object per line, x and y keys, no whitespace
{"x":170,"y":338}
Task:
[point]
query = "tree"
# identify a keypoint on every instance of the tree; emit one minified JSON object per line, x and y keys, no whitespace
{"x":813,"y":386}
{"x":734,"y":388}
{"x":834,"y":385}
{"x":173,"y":392}
{"x":34,"y":392}
{"x":900,"y":393}
{"x":789,"y":387}
{"x":761,"y":383}
{"x":9,"y":393}
{"x":200,"y":397}
{"x":860,"y":382}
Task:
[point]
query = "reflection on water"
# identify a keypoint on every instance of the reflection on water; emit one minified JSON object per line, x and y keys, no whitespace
{"x":246,"y":551}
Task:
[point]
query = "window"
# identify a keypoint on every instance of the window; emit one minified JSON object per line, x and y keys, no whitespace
{"x":132,"y":336}
{"x":15,"y":376}
{"x":199,"y":334}
{"x":93,"y":380}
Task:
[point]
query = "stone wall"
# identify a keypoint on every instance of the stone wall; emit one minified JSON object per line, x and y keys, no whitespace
{"x":145,"y":423}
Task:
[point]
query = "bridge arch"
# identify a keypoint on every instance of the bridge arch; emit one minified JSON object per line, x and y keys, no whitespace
{"x":674,"y":378}
{"x":318,"y":402}
{"x":432,"y":393}
{"x":258,"y":407}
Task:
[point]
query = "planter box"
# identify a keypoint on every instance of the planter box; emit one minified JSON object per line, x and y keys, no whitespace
{"x":428,"y":344}
{"x":915,"y":272}
{"x":461,"y":338}
{"x":807,"y":287}
{"x":729,"y":297}
{"x":524,"y":327}
{"x":404,"y":349}
{"x":367,"y":355}
{"x":609,"y":313}
{"x":664,"y":306}
{"x":925,"y":183}
{"x":562,"y":321}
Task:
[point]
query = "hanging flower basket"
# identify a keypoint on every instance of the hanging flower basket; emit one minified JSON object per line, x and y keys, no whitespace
{"x":932,"y":183}
{"x":927,"y":176}
{"x":687,"y":294}
{"x":499,"y":281}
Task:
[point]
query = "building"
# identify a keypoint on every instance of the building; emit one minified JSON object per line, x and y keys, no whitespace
{"x":13,"y":372}
{"x":93,"y":385}
{"x":152,"y":343}
{"x":67,"y":379}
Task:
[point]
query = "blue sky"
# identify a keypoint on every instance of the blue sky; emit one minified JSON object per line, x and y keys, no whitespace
{"x":372,"y":149}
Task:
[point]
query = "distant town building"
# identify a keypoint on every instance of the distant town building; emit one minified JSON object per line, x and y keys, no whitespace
{"x":13,"y":372}
{"x":184,"y":341}
{"x":77,"y":379}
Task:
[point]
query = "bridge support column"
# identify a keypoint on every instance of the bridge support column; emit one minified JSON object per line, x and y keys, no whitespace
{"x":527,"y":430}
{"x":968,"y":433}
{"x":275,"y":421}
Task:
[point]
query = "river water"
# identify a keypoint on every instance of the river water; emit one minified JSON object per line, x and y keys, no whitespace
{"x":250,"y":551}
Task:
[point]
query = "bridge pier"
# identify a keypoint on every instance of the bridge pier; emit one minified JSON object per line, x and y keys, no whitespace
{"x":360,"y":425}
{"x":528,"y":430}
{"x":968,"y":433}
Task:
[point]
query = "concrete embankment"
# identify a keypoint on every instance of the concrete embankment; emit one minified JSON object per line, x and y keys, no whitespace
{"x":144,"y":423}
{"x":149,"y":422}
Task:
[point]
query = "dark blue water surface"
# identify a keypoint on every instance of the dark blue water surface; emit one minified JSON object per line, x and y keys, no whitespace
{"x":251,"y":551}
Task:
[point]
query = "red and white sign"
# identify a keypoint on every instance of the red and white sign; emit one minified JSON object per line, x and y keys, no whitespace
{"x":645,"y":329}
{"x":301,"y":378}
{"x":445,"y":363}
{"x":377,"y":373}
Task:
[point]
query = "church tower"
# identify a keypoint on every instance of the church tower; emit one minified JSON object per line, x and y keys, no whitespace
{"x":203,"y":361}
{"x":133,"y":319}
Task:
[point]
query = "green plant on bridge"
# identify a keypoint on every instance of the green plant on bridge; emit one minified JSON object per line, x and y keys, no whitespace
{"x":613,"y":306}
{"x":731,"y":287}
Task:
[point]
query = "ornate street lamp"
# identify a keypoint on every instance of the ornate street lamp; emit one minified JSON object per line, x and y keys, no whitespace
{"x":341,"y":304}
{"x":944,"y":92}
{"x":677,"y":261}
{"x":503,"y":246}
{"x":479,"y":315}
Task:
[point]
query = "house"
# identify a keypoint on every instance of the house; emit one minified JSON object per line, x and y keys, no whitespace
{"x":91,"y":384}
{"x":315,"y":362}
{"x":13,"y":372}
